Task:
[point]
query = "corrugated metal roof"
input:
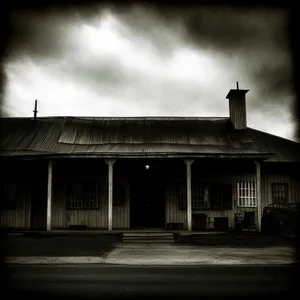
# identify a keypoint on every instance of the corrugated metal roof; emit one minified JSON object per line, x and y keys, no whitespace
{"x":137,"y":135}
{"x":285,"y":150}
{"x":143,"y":131}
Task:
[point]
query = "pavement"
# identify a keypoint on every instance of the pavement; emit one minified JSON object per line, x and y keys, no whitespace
{"x":226,"y":249}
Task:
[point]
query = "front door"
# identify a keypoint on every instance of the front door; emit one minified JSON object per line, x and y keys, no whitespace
{"x":39,"y":206}
{"x":147,"y":209}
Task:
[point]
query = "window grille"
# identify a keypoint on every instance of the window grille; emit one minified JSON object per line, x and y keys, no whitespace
{"x":246,"y":194}
{"x":83,"y":196}
{"x":199,"y":196}
{"x":279,"y":193}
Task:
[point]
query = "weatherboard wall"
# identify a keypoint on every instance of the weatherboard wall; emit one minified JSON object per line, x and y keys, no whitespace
{"x":230,"y":173}
{"x":95,"y":171}
{"x":212,"y":172}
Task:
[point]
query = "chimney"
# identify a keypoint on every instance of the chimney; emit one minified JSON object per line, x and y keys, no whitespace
{"x":237,"y":107}
{"x":35,"y":110}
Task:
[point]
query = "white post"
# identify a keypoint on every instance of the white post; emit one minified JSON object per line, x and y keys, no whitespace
{"x":258,"y":194}
{"x":189,"y":191}
{"x":110,"y":163}
{"x":49,"y":195}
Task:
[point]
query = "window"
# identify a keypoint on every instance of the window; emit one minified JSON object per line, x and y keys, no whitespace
{"x":83,"y":196}
{"x":8,"y":195}
{"x":279,"y":193}
{"x":246,"y":194}
{"x":199,"y":196}
{"x":220,"y":196}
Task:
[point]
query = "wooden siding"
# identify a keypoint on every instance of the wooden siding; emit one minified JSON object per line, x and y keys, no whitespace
{"x":25,"y":175}
{"x":174,"y":214}
{"x":227,"y":173}
{"x":19,"y":217}
{"x":205,"y":171}
{"x":292,"y":182}
{"x":61,"y":217}
{"x":96,"y":218}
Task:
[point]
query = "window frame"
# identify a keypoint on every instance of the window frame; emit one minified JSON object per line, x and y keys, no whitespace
{"x":286,"y":191}
{"x":199,"y":189}
{"x":85,"y":199}
{"x":249,"y":195}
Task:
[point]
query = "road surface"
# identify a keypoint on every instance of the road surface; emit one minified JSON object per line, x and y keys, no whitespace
{"x":95,"y":281}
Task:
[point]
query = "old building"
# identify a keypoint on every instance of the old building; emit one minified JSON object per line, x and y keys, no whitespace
{"x":146,"y":172}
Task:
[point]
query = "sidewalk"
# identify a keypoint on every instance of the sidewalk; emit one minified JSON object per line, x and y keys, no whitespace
{"x":152,"y":254}
{"x":108,"y":249}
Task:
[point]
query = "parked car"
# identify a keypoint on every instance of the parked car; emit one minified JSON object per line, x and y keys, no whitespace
{"x":279,"y":218}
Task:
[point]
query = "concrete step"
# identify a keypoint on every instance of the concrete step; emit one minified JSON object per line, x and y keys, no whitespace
{"x":148,"y":237}
{"x":148,"y":234}
{"x":169,"y":238}
{"x":145,"y":241}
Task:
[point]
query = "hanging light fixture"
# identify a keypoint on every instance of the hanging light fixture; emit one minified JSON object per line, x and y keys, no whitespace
{"x":147,"y":167}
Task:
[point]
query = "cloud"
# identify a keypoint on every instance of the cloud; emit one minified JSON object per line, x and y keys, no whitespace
{"x":150,"y":61}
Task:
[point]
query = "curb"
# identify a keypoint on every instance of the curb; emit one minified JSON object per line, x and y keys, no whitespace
{"x":54,"y":260}
{"x":14,"y":234}
{"x":75,"y":260}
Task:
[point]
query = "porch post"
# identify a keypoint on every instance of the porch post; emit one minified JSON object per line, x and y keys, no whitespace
{"x":258,"y":194}
{"x":189,"y":191}
{"x":49,"y":194}
{"x":110,"y":163}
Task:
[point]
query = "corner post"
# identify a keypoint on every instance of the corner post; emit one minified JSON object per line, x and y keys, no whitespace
{"x":258,"y":194}
{"x":110,"y":163}
{"x":49,"y":194}
{"x":189,"y":191}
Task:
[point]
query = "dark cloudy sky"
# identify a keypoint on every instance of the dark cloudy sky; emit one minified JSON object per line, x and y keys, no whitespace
{"x":139,"y":60}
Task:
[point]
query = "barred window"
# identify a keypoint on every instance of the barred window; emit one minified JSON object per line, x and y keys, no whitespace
{"x":279,"y":193}
{"x":8,"y":195}
{"x":83,"y":196}
{"x":199,"y":196}
{"x":246,"y":194}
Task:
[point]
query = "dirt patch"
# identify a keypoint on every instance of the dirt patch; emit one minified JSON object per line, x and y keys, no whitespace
{"x":98,"y":245}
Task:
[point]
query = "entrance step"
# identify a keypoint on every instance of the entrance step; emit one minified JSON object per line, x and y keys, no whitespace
{"x":148,"y":237}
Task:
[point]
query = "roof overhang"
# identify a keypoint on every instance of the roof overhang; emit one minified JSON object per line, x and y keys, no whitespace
{"x":257,"y":156}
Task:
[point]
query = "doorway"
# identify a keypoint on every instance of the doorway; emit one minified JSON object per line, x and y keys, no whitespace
{"x":147,"y":191}
{"x":38,"y":206}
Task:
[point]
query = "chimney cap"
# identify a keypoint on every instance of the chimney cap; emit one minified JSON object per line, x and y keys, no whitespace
{"x":234,"y":93}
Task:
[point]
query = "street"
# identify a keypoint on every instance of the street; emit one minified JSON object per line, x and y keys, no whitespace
{"x":91,"y":281}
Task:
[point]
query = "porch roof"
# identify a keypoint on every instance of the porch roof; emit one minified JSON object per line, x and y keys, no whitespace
{"x":132,"y":136}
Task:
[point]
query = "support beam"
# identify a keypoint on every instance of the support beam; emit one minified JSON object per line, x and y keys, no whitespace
{"x":110,"y":163}
{"x":258,"y":194}
{"x":49,"y":194}
{"x":189,"y":191}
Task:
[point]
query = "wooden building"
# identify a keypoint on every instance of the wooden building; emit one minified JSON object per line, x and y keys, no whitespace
{"x":143,"y":172}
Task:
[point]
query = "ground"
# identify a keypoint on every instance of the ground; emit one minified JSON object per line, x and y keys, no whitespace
{"x":59,"y":245}
{"x":100,"y":266}
{"x":222,"y":248}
